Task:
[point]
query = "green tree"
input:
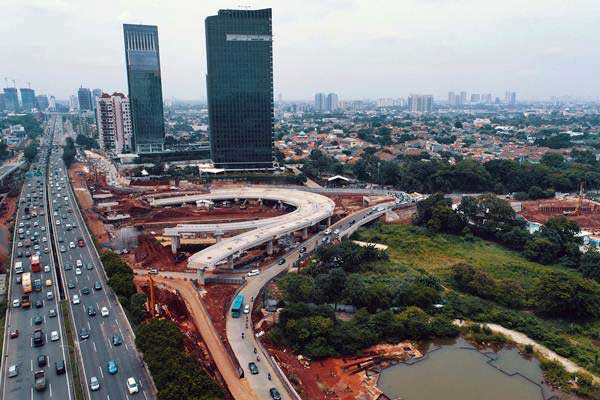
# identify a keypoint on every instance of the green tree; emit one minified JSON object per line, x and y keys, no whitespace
{"x":558,"y":294}
{"x":122,"y":284}
{"x":30,"y":151}
{"x":137,"y":308}
{"x":590,"y":265}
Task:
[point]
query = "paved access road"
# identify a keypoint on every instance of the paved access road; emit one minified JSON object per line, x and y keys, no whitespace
{"x":19,"y":351}
{"x":97,"y":350}
{"x":244,"y":347}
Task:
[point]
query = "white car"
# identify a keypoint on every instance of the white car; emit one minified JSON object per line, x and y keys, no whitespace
{"x":247,"y":309}
{"x":54,"y":336}
{"x":78,"y":262}
{"x":77,"y":271}
{"x":254,"y":272}
{"x":75,"y":299}
{"x":46,"y":268}
{"x":132,"y":386}
{"x":104,"y":311}
{"x":16,"y":303}
{"x":58,"y":222}
{"x":71,"y":245}
{"x":49,"y":296}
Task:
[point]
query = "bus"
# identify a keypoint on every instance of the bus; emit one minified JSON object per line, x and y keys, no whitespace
{"x":26,"y":282}
{"x":35,"y":263}
{"x":238,"y":306}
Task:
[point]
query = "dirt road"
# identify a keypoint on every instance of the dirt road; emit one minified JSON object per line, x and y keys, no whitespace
{"x":239,"y":388}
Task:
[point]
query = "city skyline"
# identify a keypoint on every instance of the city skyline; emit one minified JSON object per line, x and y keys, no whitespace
{"x":350,"y":48}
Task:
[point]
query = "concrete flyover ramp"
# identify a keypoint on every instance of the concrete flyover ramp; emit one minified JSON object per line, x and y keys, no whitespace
{"x":311,"y":209}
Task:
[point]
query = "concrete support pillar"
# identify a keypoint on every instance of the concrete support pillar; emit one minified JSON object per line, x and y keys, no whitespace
{"x":219,"y":237}
{"x":304,"y":233}
{"x":230,"y":262}
{"x":200,"y":276}
{"x":328,"y":221}
{"x":270,"y":247}
{"x":175,"y":243}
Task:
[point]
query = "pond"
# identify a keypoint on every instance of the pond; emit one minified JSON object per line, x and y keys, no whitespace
{"x":458,"y":371}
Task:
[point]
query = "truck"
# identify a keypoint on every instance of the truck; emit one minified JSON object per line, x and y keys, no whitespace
{"x":26,"y":282}
{"x":39,"y":378}
{"x":25,"y":301}
{"x":19,"y":267}
{"x":37,"y":285}
{"x":35,"y":263}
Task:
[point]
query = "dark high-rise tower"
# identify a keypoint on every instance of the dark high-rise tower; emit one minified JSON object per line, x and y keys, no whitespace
{"x":11,"y":99}
{"x":145,"y":88}
{"x":239,"y":85}
{"x":27,"y":99}
{"x":84,"y":95}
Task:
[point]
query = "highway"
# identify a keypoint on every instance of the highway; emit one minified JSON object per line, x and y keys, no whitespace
{"x":19,"y":351}
{"x":83,"y":276}
{"x":244,"y":347}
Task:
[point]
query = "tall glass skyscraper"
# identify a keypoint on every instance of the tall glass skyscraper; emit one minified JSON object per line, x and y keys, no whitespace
{"x":27,"y":99}
{"x":11,"y":99}
{"x":84,"y":95}
{"x":239,"y":82}
{"x":145,"y":88}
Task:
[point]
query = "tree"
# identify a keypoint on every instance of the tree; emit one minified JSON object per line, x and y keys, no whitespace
{"x":4,"y":153}
{"x":490,"y":215}
{"x":590,"y":265}
{"x":69,"y":152}
{"x":559,"y":294}
{"x":553,"y":160}
{"x":437,"y":215}
{"x":542,"y":250}
{"x":30,"y":151}
{"x":122,"y":284}
{"x":137,"y":308}
{"x":297,"y":287}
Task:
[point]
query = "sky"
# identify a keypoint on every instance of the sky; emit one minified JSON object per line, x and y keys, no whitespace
{"x":356,"y":48}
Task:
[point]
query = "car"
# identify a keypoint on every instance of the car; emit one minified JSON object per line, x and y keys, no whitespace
{"x":281,"y":262}
{"x":46,"y":268}
{"x":77,"y":271}
{"x":132,"y":386}
{"x":54,"y":336}
{"x":275,"y":395}
{"x":104,"y":311}
{"x":254,"y":272}
{"x":59,"y":366}
{"x":48,"y":282}
{"x":61,"y":240}
{"x":75,"y":299}
{"x":153,"y":271}
{"x":91,"y":311}
{"x":19,"y":244}
{"x":38,"y":338}
{"x":18,"y":280}
{"x":42,"y":360}
{"x":13,"y":371}
{"x":43,"y":228}
{"x":84,"y":334}
{"x":97,"y":285}
{"x":78,"y":263}
{"x":253,"y":368}
{"x":63,"y":249}
{"x":36,"y":247}
{"x":112,"y":367}
{"x":19,"y":254}
{"x":71,"y":245}
{"x":303,"y":250}
{"x":16,"y":303}
{"x":85,"y":290}
{"x":58,"y":222}
{"x":52,"y":313}
{"x":116,"y":340}
{"x":336,"y":232}
{"x":49,"y":296}
{"x":94,"y":384}
{"x":39,"y":303}
{"x":89,"y":266}
{"x":247,"y":309}
{"x":27,"y":253}
{"x":71,"y":285}
{"x":68,"y":265}
{"x":14,"y":334}
{"x":46,"y":250}
{"x":37,"y":320}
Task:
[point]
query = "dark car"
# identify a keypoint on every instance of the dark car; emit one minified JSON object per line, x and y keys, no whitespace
{"x":60,"y":367}
{"x":281,"y":262}
{"x":84,"y":334}
{"x":39,"y":303}
{"x":37,"y":320}
{"x":42,"y":360}
{"x":116,"y":340}
{"x":89,"y":266}
{"x":71,"y":285}
{"x":91,"y":311}
{"x":275,"y":394}
{"x":68,"y":266}
{"x":38,"y":338}
{"x":253,"y":368}
{"x":85,"y":290}
{"x":19,"y":254}
{"x":97,"y":285}
{"x":14,"y":334}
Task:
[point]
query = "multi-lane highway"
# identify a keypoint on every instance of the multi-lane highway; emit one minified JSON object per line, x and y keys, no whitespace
{"x":246,"y":348}
{"x":49,"y":352}
{"x":103,"y":333}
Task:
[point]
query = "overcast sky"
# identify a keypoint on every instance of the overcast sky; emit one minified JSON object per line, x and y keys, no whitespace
{"x":359,"y":49}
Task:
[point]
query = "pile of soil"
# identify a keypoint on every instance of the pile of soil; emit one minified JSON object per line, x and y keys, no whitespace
{"x":150,"y":253}
{"x":217,"y":299}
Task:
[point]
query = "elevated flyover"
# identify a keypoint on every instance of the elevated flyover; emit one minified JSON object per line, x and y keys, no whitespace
{"x":310,"y":209}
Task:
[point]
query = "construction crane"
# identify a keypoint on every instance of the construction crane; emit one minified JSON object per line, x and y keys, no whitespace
{"x":580,"y":199}
{"x":151,"y":305}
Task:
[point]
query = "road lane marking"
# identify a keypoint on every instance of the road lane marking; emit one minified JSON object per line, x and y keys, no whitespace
{"x":100,"y":368}
{"x":94,"y":344}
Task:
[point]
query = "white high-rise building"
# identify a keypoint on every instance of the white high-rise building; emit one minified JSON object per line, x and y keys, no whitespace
{"x":320,"y":102}
{"x":332,"y":102}
{"x":73,"y":103}
{"x":113,"y":117}
{"x":420,"y":103}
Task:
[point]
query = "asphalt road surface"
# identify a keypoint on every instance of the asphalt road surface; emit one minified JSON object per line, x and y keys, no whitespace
{"x":82,"y":270}
{"x":19,"y":351}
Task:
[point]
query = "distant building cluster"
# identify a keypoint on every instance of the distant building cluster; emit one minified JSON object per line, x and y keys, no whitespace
{"x":27,"y":102}
{"x":326,"y":102}
{"x":422,"y":103}
{"x":461,"y":99}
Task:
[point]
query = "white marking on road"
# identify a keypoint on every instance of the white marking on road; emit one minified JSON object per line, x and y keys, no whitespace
{"x":50,"y":388}
{"x":31,"y":365}
{"x":89,"y":326}
{"x":144,"y":393}
{"x":94,"y":344}
{"x":100,"y":368}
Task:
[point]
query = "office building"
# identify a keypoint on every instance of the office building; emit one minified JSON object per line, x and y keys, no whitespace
{"x":320,"y":102}
{"x":42,"y":102}
{"x":332,"y":102}
{"x":96,"y":93}
{"x":113,"y":119}
{"x":487,"y":98}
{"x":11,"y":99}
{"x":73,"y":103}
{"x":510,"y":98}
{"x":463,"y":98}
{"x":84,"y":96}
{"x":420,"y":103}
{"x":475,"y":98}
{"x":142,"y":58}
{"x":239,"y":83}
{"x":27,"y":99}
{"x":2,"y":104}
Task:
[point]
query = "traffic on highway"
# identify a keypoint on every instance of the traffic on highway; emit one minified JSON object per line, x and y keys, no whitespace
{"x":35,"y":363}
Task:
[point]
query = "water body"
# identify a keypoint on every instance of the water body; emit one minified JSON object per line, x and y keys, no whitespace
{"x":458,"y":371}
